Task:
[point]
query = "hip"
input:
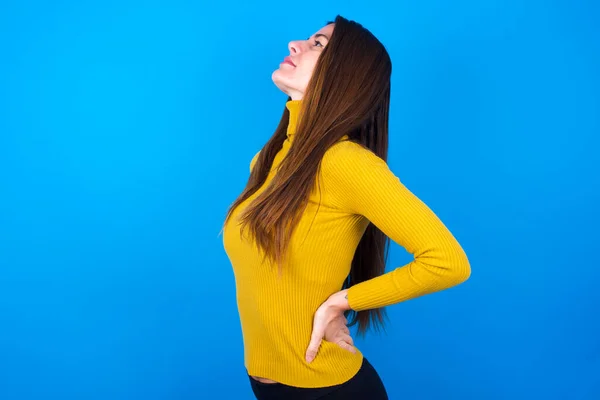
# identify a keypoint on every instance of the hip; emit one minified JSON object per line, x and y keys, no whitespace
{"x":365,"y":384}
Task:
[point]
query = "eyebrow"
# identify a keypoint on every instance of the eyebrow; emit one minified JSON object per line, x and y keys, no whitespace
{"x":319,"y":35}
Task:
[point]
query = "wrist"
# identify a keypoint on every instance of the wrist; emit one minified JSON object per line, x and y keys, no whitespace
{"x":339,"y":300}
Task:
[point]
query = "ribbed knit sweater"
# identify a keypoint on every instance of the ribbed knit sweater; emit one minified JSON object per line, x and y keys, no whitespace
{"x":276,"y":312}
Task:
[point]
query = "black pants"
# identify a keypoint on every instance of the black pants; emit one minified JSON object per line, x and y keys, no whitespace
{"x":365,"y":385}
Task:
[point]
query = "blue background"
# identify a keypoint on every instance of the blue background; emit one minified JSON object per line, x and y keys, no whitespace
{"x":127,"y":128}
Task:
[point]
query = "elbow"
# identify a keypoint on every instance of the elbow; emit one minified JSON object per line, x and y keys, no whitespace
{"x":463,"y":271}
{"x":458,"y":268}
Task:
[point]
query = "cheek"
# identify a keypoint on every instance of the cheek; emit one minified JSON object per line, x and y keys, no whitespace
{"x":303,"y":74}
{"x":310,"y":64}
{"x":307,"y":68}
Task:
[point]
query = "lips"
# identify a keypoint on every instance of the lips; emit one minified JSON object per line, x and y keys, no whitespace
{"x":288,"y":60}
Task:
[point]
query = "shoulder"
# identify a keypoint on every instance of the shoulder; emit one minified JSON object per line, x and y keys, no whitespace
{"x":358,"y":180}
{"x":253,"y":160}
{"x":348,"y":157}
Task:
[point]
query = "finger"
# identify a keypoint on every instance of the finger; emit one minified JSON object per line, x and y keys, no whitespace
{"x":348,"y":339}
{"x":346,"y":330}
{"x":312,"y":350}
{"x":315,"y":342}
{"x":344,"y":345}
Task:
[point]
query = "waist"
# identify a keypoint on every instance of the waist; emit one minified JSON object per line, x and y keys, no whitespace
{"x":258,"y":386}
{"x":277,"y":328}
{"x":281,"y":358}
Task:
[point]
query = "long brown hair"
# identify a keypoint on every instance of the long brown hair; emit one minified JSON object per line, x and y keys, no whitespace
{"x":348,"y":94}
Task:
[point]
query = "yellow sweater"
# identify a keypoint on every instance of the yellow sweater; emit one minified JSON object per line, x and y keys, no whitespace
{"x":276,"y":313}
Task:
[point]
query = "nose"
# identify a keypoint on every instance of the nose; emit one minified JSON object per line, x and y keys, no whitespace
{"x":295,"y":46}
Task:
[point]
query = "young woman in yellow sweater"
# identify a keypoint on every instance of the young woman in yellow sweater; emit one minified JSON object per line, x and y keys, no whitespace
{"x":307,"y":237}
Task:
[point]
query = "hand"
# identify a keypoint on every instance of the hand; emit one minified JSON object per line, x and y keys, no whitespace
{"x":337,"y":332}
{"x":330,"y":324}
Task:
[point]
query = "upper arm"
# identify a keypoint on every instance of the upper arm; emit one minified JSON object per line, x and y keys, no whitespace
{"x":362,"y":183}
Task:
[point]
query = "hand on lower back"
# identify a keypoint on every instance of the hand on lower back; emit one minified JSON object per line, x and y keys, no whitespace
{"x":337,"y":332}
{"x":330,"y":324}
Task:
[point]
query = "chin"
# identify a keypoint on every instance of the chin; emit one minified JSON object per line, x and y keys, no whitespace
{"x":279,"y":81}
{"x":275,"y":75}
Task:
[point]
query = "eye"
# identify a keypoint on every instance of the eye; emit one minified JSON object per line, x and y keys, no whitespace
{"x":317,"y":42}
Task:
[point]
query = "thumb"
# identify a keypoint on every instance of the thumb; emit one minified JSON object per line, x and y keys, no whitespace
{"x":315,"y":343}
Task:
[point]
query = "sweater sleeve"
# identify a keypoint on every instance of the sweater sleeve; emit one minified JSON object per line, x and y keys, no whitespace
{"x":362,"y":183}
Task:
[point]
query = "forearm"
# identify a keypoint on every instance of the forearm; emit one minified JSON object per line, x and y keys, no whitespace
{"x":415,"y":279}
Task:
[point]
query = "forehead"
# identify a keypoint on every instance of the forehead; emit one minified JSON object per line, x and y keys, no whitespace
{"x":327,"y":30}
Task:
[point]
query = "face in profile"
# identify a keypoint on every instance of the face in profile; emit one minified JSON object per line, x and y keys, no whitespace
{"x":296,"y":69}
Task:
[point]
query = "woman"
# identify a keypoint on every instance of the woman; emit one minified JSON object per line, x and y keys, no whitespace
{"x":307,"y":236}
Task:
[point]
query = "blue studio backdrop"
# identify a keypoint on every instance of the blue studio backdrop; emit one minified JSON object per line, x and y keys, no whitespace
{"x":127,"y":128}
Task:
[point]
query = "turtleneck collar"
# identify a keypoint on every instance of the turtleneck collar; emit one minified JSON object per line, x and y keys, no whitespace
{"x":293,"y":107}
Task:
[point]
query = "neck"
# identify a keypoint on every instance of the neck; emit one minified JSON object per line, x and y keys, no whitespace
{"x":293,"y":107}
